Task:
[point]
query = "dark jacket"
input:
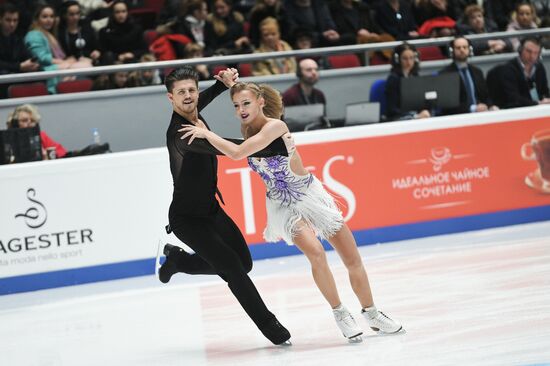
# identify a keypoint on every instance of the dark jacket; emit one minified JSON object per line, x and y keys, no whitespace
{"x":480,"y":86}
{"x":116,"y":39}
{"x":320,"y":21}
{"x":12,"y":53}
{"x":194,"y":167}
{"x":388,"y":20}
{"x":516,"y":87}
{"x":295,"y":96}
{"x":350,"y":21}
{"x":68,"y":41}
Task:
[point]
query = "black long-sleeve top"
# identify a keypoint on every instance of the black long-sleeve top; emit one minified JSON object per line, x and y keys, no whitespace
{"x":194,"y":167}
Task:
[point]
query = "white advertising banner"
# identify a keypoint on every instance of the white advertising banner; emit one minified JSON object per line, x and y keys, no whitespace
{"x":71,"y":213}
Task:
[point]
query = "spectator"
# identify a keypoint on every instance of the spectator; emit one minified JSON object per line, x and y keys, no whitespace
{"x":144,"y":77}
{"x":122,"y":39}
{"x":500,"y":11}
{"x":76,"y":36}
{"x":190,"y":23}
{"x":314,"y":16}
{"x":353,"y":22}
{"x":26,"y":116}
{"x":195,"y":50}
{"x":304,"y":91}
{"x":476,"y":23}
{"x":425,"y":10}
{"x":46,"y":48}
{"x":395,"y":18}
{"x":405,"y":64}
{"x":262,"y":10}
{"x":524,"y":18}
{"x":271,"y":42}
{"x":14,"y":56}
{"x":474,"y":95}
{"x":225,"y":30}
{"x":115,"y":80}
{"x":523,"y":79}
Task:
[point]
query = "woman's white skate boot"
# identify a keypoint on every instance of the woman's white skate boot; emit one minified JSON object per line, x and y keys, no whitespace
{"x":380,"y":322}
{"x":347,"y":324}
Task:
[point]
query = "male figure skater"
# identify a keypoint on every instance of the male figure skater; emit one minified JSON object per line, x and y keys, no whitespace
{"x":195,"y":215}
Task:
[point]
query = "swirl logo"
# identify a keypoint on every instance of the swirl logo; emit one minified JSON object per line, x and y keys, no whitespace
{"x":36,"y":215}
{"x":440,"y":156}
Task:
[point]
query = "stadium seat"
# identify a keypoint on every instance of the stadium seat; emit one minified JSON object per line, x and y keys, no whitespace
{"x":430,"y":53}
{"x":343,"y":61}
{"x":377,"y":93}
{"x":245,"y":70}
{"x":74,"y":86}
{"x":27,"y":90}
{"x":149,"y":36}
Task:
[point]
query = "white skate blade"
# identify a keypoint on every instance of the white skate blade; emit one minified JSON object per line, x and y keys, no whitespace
{"x":157,"y":260}
{"x":286,"y":343}
{"x":356,"y":339}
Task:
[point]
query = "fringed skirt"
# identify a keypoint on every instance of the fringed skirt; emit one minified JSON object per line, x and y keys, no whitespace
{"x":316,"y":208}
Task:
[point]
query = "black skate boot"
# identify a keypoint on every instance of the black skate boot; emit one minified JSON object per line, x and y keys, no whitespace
{"x":276,"y":333}
{"x":170,"y":266}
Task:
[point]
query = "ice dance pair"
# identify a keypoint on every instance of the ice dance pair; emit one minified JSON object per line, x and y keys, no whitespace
{"x":300,"y":210}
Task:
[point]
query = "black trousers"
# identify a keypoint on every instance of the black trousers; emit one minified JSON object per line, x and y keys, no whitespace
{"x":221,"y":249}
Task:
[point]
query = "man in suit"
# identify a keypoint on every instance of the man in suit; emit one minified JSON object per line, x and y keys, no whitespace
{"x":474,"y":95}
{"x":523,"y":80}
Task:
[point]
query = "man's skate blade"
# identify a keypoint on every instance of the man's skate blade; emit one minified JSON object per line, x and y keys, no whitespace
{"x":286,"y":343}
{"x":157,"y":260}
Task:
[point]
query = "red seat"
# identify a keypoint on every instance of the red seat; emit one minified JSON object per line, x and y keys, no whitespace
{"x":430,"y":53}
{"x":343,"y":61}
{"x":218,"y":68}
{"x":147,"y":14}
{"x":245,"y":70}
{"x":74,"y":86}
{"x":27,"y":90}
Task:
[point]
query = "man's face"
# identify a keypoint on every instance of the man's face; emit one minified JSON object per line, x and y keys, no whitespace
{"x":476,"y":21}
{"x":461,"y":50}
{"x":310,"y":71}
{"x":530,"y":53}
{"x":9,"y":23}
{"x":184,"y":96}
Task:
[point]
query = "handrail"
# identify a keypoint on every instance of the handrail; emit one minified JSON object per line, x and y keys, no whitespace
{"x":251,"y":57}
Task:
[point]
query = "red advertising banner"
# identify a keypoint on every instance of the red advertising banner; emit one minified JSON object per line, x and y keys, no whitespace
{"x":413,"y":177}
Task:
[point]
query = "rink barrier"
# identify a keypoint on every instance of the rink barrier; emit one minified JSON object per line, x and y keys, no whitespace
{"x":144,"y":267}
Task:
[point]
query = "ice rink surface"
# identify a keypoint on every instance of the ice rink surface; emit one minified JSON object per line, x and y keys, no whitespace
{"x":477,"y":298}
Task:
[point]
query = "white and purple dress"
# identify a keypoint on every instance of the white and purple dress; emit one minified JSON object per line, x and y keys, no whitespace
{"x":291,"y":198}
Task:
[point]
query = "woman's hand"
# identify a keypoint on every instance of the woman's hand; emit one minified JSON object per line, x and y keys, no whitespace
{"x":198,"y":131}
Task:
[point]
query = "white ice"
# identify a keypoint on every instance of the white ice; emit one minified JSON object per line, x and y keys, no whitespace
{"x":478,"y":298}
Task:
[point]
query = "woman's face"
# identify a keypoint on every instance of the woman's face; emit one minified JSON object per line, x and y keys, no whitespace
{"x":247,"y":105}
{"x":270,"y":36}
{"x":120,"y":79}
{"x":407,"y":59}
{"x":221,"y":8}
{"x":24,"y":120}
{"x":202,"y":13}
{"x":73,"y":15}
{"x":120,"y":12}
{"x":46,"y":18}
{"x":524,"y":16}
{"x":476,"y":21}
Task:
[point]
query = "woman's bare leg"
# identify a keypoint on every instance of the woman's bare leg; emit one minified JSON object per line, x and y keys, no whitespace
{"x":308,"y":243}
{"x":346,"y":247}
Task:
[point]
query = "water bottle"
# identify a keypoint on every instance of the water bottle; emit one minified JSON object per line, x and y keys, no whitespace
{"x":96,"y":138}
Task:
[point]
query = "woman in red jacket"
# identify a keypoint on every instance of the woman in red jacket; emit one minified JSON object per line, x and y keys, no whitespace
{"x":26,"y":116}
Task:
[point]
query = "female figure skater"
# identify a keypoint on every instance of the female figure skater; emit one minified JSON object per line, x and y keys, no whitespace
{"x":298,"y":207}
{"x":195,"y":215}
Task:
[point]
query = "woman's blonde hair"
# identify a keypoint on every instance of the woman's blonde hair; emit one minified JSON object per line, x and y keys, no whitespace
{"x":273,"y":107}
{"x":219,"y":25}
{"x":29,"y":108}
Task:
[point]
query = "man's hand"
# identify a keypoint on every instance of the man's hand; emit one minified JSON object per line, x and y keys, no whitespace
{"x":228,"y":77}
{"x":28,"y":65}
{"x":481,"y":107}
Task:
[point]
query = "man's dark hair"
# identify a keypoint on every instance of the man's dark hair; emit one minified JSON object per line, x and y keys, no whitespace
{"x":8,"y":8}
{"x":183,"y":73}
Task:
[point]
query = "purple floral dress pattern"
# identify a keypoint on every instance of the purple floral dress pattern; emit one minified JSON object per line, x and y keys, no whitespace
{"x":282,"y":184}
